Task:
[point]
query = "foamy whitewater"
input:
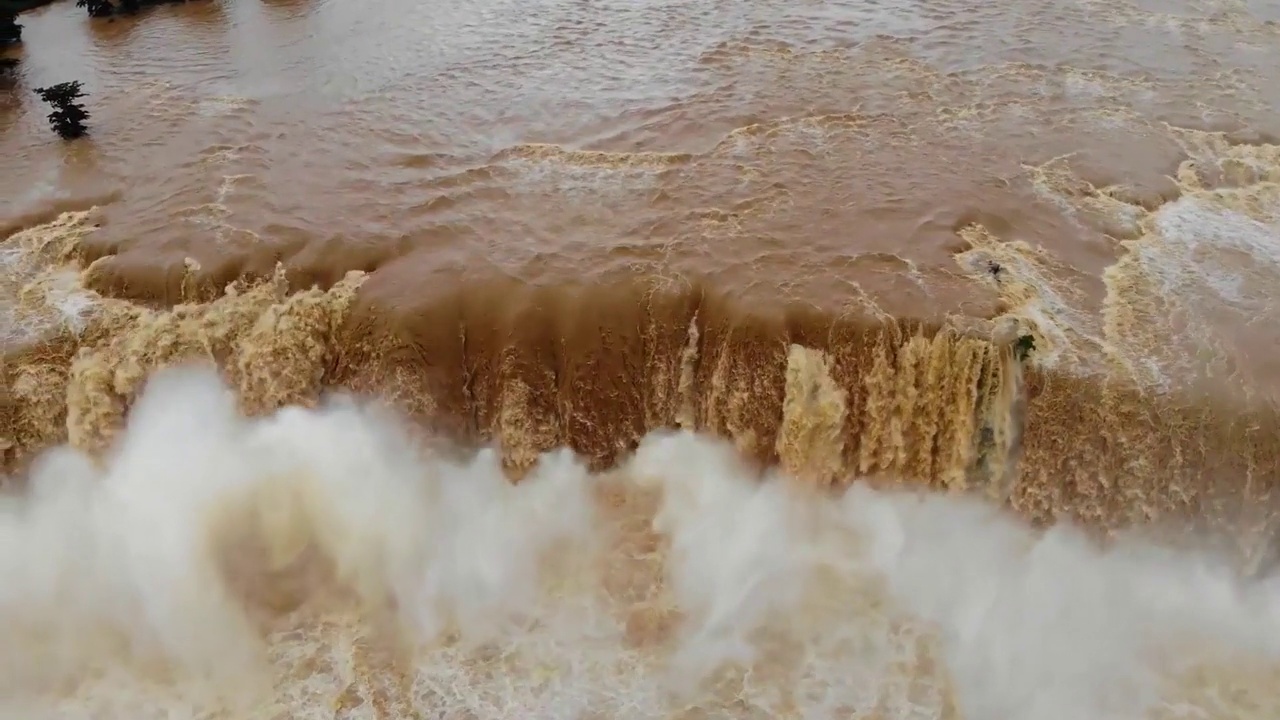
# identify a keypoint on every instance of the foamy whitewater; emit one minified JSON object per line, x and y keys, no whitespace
{"x":330,"y":563}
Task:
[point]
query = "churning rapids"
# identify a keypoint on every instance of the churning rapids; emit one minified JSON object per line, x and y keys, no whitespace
{"x":682,"y":584}
{"x":643,"y":359}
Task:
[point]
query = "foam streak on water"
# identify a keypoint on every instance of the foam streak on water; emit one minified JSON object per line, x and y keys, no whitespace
{"x":328,"y":563}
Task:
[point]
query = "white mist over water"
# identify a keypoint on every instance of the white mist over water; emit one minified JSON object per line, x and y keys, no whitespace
{"x":681,"y":585}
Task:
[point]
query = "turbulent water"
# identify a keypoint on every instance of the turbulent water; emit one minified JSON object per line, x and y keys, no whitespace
{"x":688,"y":359}
{"x":682,"y":584}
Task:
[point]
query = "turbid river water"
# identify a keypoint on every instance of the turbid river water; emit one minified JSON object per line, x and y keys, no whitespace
{"x":653,"y":359}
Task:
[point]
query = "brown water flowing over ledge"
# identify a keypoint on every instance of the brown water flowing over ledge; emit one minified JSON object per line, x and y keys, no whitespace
{"x":595,"y":367}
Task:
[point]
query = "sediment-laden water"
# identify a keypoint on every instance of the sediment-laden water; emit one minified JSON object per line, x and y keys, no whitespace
{"x":639,"y":360}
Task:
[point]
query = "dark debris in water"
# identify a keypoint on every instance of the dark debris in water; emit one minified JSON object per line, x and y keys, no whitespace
{"x":107,"y":8}
{"x":1024,"y":346}
{"x":68,"y":116}
{"x":97,"y":8}
{"x":10,"y":30}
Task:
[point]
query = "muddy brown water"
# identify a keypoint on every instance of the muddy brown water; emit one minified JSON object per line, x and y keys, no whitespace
{"x":581,"y":220}
{"x":1028,"y":249}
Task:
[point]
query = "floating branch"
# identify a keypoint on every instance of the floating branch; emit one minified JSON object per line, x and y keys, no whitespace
{"x":68,"y":116}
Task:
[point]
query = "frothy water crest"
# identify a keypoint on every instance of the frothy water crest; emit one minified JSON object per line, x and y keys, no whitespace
{"x":330,"y":562}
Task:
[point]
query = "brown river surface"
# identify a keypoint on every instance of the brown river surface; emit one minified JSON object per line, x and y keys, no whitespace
{"x":1029,"y":249}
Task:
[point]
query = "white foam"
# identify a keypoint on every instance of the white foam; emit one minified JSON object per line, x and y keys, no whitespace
{"x":1210,"y":245}
{"x":520,"y":601}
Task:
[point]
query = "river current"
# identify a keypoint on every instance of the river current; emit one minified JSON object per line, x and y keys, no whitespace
{"x":599,"y":359}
